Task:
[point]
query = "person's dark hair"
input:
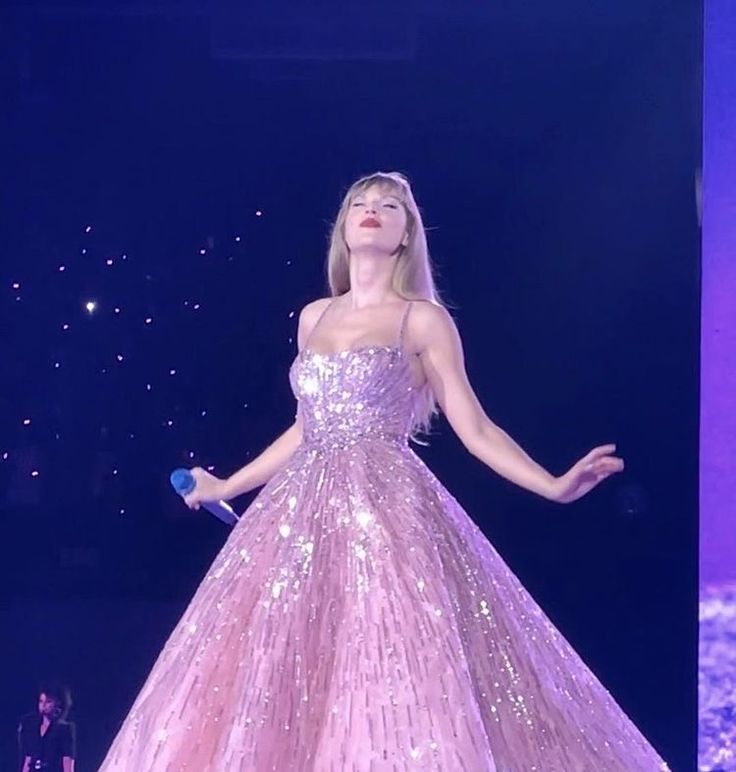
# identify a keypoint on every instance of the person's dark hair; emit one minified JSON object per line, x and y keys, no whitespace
{"x":60,"y":695}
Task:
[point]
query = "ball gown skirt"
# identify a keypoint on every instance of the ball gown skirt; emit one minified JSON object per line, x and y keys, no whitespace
{"x":357,"y":619}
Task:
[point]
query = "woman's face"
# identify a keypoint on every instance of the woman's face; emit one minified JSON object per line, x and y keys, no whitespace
{"x":46,"y":705}
{"x":376,"y":221}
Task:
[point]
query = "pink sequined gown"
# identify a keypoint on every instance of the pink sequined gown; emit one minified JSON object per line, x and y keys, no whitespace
{"x":358,"y":620}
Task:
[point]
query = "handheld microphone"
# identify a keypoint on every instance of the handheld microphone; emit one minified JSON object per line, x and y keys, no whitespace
{"x":183,"y":482}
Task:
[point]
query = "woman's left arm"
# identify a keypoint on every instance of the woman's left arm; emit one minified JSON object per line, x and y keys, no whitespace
{"x":440,"y":351}
{"x":70,"y":747}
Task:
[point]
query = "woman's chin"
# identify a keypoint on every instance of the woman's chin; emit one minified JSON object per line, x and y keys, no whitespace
{"x":371,"y":248}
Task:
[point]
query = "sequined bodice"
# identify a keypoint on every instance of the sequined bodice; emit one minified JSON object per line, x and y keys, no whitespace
{"x":351,"y":395}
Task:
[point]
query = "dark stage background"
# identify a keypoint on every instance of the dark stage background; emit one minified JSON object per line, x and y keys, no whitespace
{"x":182,"y":163}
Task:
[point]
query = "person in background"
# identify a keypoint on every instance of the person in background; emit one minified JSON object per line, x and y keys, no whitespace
{"x":46,"y":740}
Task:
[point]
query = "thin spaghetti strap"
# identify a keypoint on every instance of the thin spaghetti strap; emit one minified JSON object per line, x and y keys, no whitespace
{"x":402,"y":329}
{"x":319,"y":319}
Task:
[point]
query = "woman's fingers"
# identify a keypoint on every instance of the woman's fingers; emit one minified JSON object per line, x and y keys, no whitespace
{"x":608,"y":465}
{"x":601,"y":450}
{"x":600,"y":464}
{"x":191,"y":501}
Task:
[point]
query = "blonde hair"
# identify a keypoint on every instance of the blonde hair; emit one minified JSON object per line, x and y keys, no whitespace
{"x":412,"y":279}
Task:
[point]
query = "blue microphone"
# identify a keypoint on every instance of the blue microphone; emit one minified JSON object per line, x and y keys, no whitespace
{"x":183,"y":483}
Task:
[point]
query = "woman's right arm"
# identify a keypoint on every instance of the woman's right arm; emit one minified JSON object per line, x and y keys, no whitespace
{"x":260,"y":470}
{"x":27,"y":764}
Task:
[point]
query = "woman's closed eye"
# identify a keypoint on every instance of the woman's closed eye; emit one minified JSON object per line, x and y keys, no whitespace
{"x":388,"y":204}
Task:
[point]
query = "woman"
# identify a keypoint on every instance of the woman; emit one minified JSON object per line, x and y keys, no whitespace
{"x":356,"y":618}
{"x":46,"y":739}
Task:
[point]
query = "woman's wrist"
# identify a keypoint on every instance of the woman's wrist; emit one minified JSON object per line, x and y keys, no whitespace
{"x":227,"y":489}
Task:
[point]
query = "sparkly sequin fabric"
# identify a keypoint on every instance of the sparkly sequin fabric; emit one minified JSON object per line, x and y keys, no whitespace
{"x":358,"y":620}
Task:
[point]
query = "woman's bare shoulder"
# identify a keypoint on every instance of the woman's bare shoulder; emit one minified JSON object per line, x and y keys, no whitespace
{"x":311,"y":312}
{"x":427,"y":314}
{"x":309,"y":315}
{"x":429,"y":323}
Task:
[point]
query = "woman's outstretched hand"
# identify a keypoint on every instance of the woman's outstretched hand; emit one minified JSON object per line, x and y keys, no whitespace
{"x":208,"y":488}
{"x":583,"y":476}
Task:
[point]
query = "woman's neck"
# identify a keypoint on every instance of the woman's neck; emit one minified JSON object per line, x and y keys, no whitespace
{"x":371,"y":280}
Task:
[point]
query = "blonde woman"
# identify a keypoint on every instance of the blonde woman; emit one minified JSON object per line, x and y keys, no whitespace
{"x":357,"y":618}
